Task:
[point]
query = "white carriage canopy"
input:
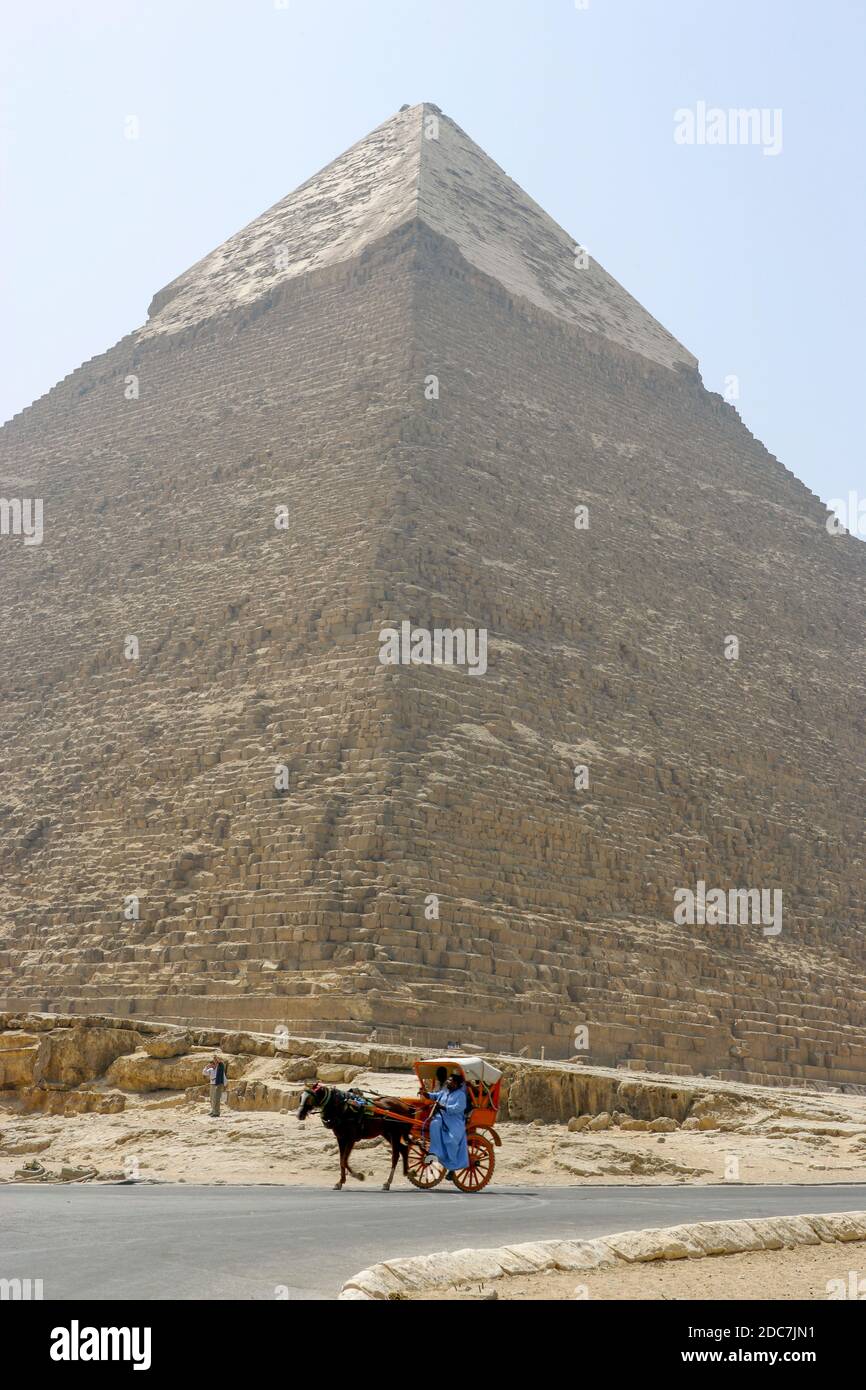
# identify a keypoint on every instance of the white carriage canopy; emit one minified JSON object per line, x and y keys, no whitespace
{"x":473,"y":1068}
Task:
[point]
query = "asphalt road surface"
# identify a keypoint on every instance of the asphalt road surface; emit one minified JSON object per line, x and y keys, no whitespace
{"x":185,"y":1242}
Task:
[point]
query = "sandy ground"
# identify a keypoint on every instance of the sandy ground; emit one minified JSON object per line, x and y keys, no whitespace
{"x":769,"y":1275}
{"x":170,"y":1138}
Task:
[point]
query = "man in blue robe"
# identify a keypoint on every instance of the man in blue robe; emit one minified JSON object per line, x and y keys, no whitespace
{"x":447,"y":1140}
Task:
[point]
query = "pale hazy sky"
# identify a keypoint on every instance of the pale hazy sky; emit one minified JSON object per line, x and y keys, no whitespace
{"x":756,"y":263}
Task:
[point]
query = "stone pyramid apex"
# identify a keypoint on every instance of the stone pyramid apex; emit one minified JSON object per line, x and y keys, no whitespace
{"x":417,"y":165}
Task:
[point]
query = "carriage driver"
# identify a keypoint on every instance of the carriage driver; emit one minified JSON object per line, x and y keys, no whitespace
{"x":447,"y":1141}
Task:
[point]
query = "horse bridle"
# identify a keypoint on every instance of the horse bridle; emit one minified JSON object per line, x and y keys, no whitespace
{"x":309,"y":1097}
{"x":315,"y":1092}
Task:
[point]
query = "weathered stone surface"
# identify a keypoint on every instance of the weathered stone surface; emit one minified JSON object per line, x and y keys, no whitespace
{"x":778,"y":1232}
{"x":602,"y":1121}
{"x":576,"y":1254}
{"x":168,"y":1045}
{"x":469,"y":1264}
{"x":24,"y":1146}
{"x":17,"y":1041}
{"x":300,"y":1069}
{"x":139,"y":1072}
{"x":69,"y":1056}
{"x":648,"y":1101}
{"x":331,"y":1074}
{"x":260,"y":1095}
{"x":725,"y":1237}
{"x":674,"y":1243}
{"x":34,"y":1171}
{"x":17,"y":1066}
{"x":71,"y":1102}
{"x":845,"y":1226}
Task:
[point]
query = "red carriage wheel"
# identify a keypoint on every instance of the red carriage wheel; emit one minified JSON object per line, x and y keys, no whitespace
{"x":419,"y":1173}
{"x":482,"y":1161}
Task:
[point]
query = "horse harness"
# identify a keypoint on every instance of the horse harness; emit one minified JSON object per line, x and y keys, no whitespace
{"x":343,"y":1105}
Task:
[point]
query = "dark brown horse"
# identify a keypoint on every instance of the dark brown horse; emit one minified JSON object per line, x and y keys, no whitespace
{"x":350,"y":1123}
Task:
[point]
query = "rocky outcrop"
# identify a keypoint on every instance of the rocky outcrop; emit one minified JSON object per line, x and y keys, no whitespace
{"x":85,"y":1101}
{"x":18,"y":1054}
{"x":67,"y":1064}
{"x":68,"y":1056}
{"x":264,"y":1095}
{"x":554,"y":1092}
{"x":168,"y":1045}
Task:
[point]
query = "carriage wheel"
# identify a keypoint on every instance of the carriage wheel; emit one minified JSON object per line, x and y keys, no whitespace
{"x":482,"y":1161}
{"x":420,"y":1174}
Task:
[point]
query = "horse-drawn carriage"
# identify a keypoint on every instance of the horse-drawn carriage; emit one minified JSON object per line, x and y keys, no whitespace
{"x":482,"y":1082}
{"x":405,"y":1122}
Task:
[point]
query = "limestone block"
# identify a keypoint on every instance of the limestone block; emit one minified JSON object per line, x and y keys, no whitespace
{"x":61,"y":1101}
{"x":376,"y":1282}
{"x":332,"y":1075}
{"x":725,"y":1237}
{"x":17,"y":1066}
{"x":438,"y":1270}
{"x":465,"y":1265}
{"x":674,"y":1243}
{"x":15,"y":1039}
{"x":69,"y":1056}
{"x":258,"y":1095}
{"x":300,"y":1069}
{"x":845,"y":1225}
{"x":576,"y":1254}
{"x":598,"y":1122}
{"x":168,"y":1045}
{"x":778,"y":1232}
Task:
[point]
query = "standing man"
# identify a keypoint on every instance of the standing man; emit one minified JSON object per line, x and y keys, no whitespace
{"x":216,"y":1073}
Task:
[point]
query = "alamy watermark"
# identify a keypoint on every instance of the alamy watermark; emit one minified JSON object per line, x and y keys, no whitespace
{"x":736,"y":125}
{"x":77,"y":1343}
{"x":22,"y":516}
{"x":441,"y":646}
{"x":21,"y":1290}
{"x":737,"y":906}
{"x":854,"y":1287}
{"x":848,"y":516}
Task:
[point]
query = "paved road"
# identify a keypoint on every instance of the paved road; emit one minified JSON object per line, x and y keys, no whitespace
{"x":189,"y":1242}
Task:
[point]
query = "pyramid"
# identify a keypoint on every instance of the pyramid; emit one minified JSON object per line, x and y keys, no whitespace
{"x":398,"y":404}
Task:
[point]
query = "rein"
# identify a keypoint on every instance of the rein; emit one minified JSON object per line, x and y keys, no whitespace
{"x":330,"y":1095}
{"x":334,"y":1101}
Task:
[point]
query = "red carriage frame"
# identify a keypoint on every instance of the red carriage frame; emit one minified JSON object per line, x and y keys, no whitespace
{"x":483,"y":1082}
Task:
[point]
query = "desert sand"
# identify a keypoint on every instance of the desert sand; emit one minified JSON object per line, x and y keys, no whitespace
{"x":170,"y":1137}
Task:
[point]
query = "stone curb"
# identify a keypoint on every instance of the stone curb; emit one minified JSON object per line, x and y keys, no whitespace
{"x":420,"y":1274}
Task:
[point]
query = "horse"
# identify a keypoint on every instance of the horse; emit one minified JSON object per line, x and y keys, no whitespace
{"x":351,"y":1124}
